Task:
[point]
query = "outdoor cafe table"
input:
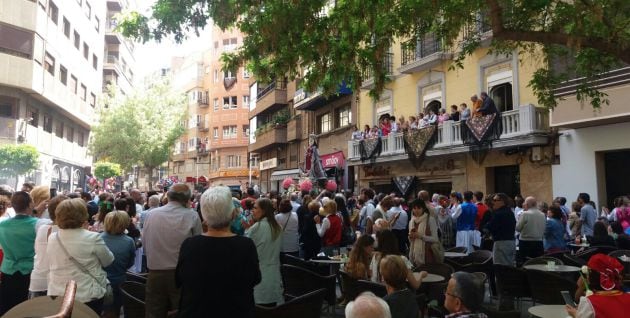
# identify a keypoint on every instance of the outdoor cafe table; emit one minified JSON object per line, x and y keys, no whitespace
{"x":48,"y":306}
{"x":578,"y":246}
{"x":454,"y":254}
{"x":333,"y":263}
{"x":431,"y":278}
{"x":548,"y":311}
{"x":555,"y":268}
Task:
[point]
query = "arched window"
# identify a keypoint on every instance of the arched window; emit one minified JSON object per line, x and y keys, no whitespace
{"x":502,"y":96}
{"x":433,"y":105}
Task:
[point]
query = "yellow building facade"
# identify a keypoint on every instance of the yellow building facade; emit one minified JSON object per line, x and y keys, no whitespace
{"x":518,"y":163}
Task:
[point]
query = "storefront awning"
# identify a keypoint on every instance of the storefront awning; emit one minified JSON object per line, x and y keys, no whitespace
{"x":283,"y":174}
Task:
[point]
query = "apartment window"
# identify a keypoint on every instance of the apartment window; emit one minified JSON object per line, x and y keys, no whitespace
{"x":97,"y":24}
{"x":215,"y":132}
{"x":245,"y":101}
{"x":77,"y":40}
{"x":502,"y":96}
{"x":63,"y":75}
{"x":33,"y":117}
{"x":229,"y":132}
{"x":344,"y":116}
{"x":53,"y":12}
{"x":216,"y":76}
{"x":245,"y":131}
{"x":245,"y":73}
{"x":230,"y":102}
{"x":94,"y":61}
{"x":229,"y":44}
{"x":215,"y":104}
{"x":66,"y":27}
{"x":92,"y":99}
{"x":233,"y":161}
{"x":81,"y":139}
{"x":324,"y":123}
{"x":73,"y":84}
{"x":59,"y":129}
{"x":17,"y":42}
{"x":49,"y":64}
{"x":228,"y":74}
{"x":48,"y":123}
{"x":88,"y":10}
{"x":70,"y":134}
{"x":83,"y":92}
{"x":86,"y":51}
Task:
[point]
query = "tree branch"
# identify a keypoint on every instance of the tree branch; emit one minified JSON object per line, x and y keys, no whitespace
{"x":500,"y":32}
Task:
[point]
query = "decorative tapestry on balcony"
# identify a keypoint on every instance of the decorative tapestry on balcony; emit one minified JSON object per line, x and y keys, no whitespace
{"x":370,"y":148}
{"x":228,"y":82}
{"x":478,"y":132}
{"x":404,"y":183}
{"x":417,"y":141}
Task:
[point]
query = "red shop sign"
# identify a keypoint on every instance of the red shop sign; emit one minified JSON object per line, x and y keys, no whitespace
{"x":333,"y":160}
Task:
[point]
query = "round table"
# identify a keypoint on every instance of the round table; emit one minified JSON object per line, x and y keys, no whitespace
{"x":431,"y":278}
{"x":454,"y":254}
{"x":329,"y":261}
{"x":48,"y":306}
{"x":548,"y":311}
{"x":555,"y":268}
{"x":579,"y":245}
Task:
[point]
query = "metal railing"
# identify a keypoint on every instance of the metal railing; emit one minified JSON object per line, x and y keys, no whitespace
{"x":388,"y":66}
{"x":416,"y":49}
{"x":276,"y":84}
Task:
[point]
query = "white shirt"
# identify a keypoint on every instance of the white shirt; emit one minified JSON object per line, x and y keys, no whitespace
{"x":289,"y":231}
{"x":394,"y":127}
{"x":294,"y":206}
{"x":323,"y":227}
{"x":164,"y":230}
{"x":89,"y":249}
{"x":41,"y":267}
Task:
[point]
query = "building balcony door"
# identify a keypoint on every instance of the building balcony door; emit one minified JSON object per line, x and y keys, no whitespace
{"x":507,"y":179}
{"x":617,"y":172}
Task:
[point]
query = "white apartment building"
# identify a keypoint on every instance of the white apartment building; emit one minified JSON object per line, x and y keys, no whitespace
{"x":119,"y":60}
{"x":51,"y":66}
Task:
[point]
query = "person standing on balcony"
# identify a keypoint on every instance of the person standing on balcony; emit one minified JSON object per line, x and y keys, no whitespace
{"x":394,"y":124}
{"x":443,"y":116}
{"x":454,"y":113}
{"x":487,"y":107}
{"x":433,"y":117}
{"x":357,"y":134}
{"x":476,"y":105}
{"x":464,"y":112}
{"x":386,"y":126}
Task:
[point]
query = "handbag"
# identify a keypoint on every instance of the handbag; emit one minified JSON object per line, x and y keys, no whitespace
{"x":108,"y":299}
{"x":434,"y":251}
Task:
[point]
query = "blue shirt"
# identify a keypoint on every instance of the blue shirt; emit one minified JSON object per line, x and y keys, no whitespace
{"x":17,"y":238}
{"x":588,"y":216}
{"x":554,"y":235}
{"x":124,"y":250}
{"x":466,"y":220}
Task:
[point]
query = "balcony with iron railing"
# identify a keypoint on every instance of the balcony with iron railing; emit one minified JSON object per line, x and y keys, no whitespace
{"x":422,"y":54}
{"x":368,"y":75}
{"x":268,"y":137}
{"x":526,"y":126}
{"x":270,"y":98}
{"x":480,"y":29}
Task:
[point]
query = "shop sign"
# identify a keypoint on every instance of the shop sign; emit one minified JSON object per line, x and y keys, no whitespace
{"x":376,"y":171}
{"x":443,"y":167}
{"x":333,"y":160}
{"x":268,"y":164}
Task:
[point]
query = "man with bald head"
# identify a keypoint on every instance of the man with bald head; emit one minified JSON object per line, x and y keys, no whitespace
{"x":367,"y":305}
{"x":531,"y":225}
{"x":164,"y":230}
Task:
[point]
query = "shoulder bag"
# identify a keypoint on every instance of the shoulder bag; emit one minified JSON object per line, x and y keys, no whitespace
{"x":108,"y":299}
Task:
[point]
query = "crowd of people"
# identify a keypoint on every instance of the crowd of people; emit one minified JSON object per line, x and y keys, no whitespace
{"x":220,"y":251}
{"x":390,"y":124}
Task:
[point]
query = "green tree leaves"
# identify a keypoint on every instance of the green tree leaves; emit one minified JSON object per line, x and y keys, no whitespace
{"x":104,"y":170}
{"x":17,"y":160}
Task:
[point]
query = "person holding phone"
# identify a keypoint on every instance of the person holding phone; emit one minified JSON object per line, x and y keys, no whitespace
{"x":599,"y":289}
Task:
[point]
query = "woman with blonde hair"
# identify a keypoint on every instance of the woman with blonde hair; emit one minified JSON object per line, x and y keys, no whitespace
{"x":123,"y":248}
{"x":77,"y":254}
{"x":329,"y":228}
{"x":267,"y":236}
{"x":40,"y":196}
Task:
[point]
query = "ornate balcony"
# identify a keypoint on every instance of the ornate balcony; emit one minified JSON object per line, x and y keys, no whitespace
{"x":368,"y":77}
{"x":422,"y":54}
{"x":526,"y":126}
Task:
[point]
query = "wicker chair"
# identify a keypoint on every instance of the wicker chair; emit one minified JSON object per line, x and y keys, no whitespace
{"x":543,"y":260}
{"x":133,"y":298}
{"x":304,"y":306}
{"x":376,"y":288}
{"x":298,"y":281}
{"x":511,"y":282}
{"x":546,"y":287}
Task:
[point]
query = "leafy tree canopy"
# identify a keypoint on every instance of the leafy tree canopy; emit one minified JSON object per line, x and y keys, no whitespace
{"x":139,"y":128}
{"x":17,"y":160}
{"x":344,"y":40}
{"x":104,"y":170}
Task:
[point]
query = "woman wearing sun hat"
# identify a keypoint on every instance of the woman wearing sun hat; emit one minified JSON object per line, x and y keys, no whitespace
{"x":599,"y":289}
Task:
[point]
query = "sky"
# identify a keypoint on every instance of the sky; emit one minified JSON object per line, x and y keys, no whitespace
{"x":153,"y":56}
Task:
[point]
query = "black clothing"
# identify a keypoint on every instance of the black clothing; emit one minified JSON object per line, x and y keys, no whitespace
{"x":310,"y":242}
{"x":623,"y":242}
{"x":529,"y":249}
{"x":455,"y":116}
{"x":217,"y":276}
{"x":601,"y":241}
{"x":502,"y":225}
{"x":488,"y":107}
{"x":402,"y":304}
